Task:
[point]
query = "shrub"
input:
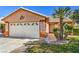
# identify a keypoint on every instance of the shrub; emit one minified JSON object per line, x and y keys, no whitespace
{"x":56,"y":32}
{"x":76,"y":31}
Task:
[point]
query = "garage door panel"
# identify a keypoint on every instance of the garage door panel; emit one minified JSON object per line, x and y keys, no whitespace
{"x":31,"y":31}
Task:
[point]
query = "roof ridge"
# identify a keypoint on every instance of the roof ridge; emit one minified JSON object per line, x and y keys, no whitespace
{"x":33,"y":11}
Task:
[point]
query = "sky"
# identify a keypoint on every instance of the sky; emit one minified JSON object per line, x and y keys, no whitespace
{"x":47,"y":10}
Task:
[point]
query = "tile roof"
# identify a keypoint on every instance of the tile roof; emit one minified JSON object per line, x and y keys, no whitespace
{"x":51,"y":19}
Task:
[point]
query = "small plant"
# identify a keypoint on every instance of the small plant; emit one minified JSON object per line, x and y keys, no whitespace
{"x":56,"y":32}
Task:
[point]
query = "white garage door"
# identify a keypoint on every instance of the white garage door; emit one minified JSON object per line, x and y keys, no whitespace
{"x":29,"y":30}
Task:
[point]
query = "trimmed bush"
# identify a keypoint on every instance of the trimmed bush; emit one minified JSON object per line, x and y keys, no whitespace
{"x":76,"y":31}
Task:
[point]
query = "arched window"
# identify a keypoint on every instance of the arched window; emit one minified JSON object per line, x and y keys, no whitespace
{"x":28,"y":23}
{"x":11,"y":24}
{"x":17,"y":24}
{"x":24,"y":23}
{"x":14,"y":24}
{"x":32,"y":23}
{"x":36,"y":23}
{"x":20,"y":23}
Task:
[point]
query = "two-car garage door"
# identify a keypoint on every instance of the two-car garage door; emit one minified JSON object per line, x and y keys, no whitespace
{"x":29,"y":30}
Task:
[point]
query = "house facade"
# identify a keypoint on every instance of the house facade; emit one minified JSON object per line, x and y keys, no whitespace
{"x":29,"y":24}
{"x":55,"y":22}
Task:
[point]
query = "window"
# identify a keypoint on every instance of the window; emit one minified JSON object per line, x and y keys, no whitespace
{"x":36,"y":23}
{"x":10,"y":24}
{"x":20,"y":24}
{"x":32,"y":23}
{"x":24,"y":23}
{"x":77,"y":22}
{"x":28,"y":24}
{"x":17,"y":24}
{"x":14,"y":24}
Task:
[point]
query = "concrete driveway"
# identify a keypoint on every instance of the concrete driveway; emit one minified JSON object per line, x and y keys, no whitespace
{"x":10,"y":44}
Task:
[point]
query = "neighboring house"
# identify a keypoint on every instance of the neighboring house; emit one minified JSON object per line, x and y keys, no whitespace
{"x":30,"y":24}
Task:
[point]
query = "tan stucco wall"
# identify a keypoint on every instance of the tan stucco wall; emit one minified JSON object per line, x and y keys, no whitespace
{"x":6,"y":26}
{"x":51,"y":27}
{"x":42,"y":26}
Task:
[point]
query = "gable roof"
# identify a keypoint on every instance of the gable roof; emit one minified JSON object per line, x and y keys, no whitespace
{"x":34,"y":12}
{"x":26,"y":10}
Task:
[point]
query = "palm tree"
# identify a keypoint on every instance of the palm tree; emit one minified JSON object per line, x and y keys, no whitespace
{"x":75,"y":15}
{"x":61,"y":13}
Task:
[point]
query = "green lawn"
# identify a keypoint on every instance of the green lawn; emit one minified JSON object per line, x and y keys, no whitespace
{"x":71,"y":47}
{"x":73,"y":37}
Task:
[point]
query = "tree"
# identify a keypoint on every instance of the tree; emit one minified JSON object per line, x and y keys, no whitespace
{"x":61,"y":13}
{"x":67,"y":29}
{"x":75,"y":16}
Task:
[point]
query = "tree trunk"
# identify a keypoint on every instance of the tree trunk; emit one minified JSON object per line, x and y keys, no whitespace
{"x":73,"y":23}
{"x":56,"y":35}
{"x":66,"y":35}
{"x":61,"y":28}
